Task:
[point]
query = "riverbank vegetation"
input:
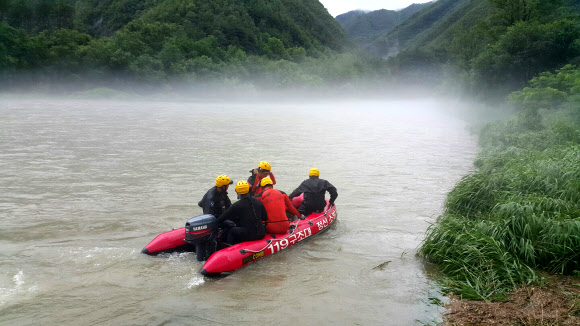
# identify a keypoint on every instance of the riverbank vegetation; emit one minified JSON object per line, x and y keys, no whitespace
{"x":513,"y":223}
{"x":520,"y":211}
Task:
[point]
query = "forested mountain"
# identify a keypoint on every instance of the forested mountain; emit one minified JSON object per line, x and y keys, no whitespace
{"x":295,"y":22}
{"x":95,"y":17}
{"x":430,"y":26}
{"x":343,"y":19}
{"x":154,"y":39}
{"x":495,"y":46}
{"x":365,"y":27}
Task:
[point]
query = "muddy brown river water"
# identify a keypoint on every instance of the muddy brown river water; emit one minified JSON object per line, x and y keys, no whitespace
{"x":85,"y":185}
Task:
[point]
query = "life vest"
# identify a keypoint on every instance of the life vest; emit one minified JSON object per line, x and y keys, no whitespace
{"x":275,"y":203}
{"x":257,"y":188}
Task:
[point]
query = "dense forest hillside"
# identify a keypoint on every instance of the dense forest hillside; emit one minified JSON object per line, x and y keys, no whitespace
{"x":365,"y":27}
{"x":152,"y":40}
{"x":488,"y":48}
{"x":431,"y":26}
{"x":296,"y":22}
{"x":494,"y":47}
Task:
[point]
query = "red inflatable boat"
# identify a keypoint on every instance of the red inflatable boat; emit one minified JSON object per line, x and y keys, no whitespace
{"x":199,"y":231}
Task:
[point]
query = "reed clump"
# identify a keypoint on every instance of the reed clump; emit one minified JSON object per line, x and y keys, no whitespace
{"x":520,"y":211}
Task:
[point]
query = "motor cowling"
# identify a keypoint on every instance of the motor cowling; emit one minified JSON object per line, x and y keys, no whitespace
{"x":198,"y":232}
{"x":199,"y":229}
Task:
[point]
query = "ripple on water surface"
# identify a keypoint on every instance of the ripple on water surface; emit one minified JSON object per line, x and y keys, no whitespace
{"x":87,"y":184}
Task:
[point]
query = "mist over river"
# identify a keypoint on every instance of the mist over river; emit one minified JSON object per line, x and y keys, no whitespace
{"x":87,"y":184}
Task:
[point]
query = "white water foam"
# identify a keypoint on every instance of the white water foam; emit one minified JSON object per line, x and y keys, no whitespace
{"x":196,"y":280}
{"x":15,"y":288}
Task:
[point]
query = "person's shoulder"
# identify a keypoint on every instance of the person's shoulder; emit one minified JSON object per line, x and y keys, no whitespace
{"x":256,"y":200}
{"x":238,"y":203}
{"x":209,"y":191}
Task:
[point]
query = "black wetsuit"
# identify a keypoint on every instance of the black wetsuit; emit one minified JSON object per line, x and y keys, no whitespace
{"x":249,"y":216}
{"x":215,"y":202}
{"x":314,"y":190}
{"x":252,"y":179}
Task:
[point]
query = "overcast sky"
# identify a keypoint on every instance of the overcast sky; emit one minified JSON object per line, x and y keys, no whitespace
{"x":337,"y":7}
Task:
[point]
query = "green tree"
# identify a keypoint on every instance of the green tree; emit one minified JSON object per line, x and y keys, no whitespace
{"x":297,"y":54}
{"x":4,"y":6}
{"x":209,"y":47}
{"x":148,"y":68}
{"x":202,"y":66}
{"x":235,"y":55}
{"x":20,"y":14}
{"x":274,"y":49}
{"x":64,"y":13}
{"x":172,"y":58}
{"x":14,"y":46}
{"x":526,"y":50}
{"x":466,"y":45}
{"x":512,"y":11}
{"x":62,"y":47}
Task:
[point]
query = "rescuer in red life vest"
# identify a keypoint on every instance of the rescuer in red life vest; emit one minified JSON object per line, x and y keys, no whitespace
{"x":258,"y":174}
{"x":276,"y":204}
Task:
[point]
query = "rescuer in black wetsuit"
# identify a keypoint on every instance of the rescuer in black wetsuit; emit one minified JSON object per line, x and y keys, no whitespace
{"x":216,"y":200}
{"x":244,"y":220}
{"x":314,"y":190}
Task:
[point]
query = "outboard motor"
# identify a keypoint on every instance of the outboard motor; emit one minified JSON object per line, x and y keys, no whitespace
{"x":199,"y":231}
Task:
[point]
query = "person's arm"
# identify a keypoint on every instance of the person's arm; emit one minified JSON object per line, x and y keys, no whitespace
{"x":229,"y":214}
{"x":332,"y":191}
{"x":290,"y":207}
{"x":203,"y":203}
{"x":212,"y":203}
{"x":272,"y":178}
{"x":228,"y":201}
{"x":297,"y":192}
{"x":264,"y":214}
{"x":254,"y":185}
{"x":252,"y":178}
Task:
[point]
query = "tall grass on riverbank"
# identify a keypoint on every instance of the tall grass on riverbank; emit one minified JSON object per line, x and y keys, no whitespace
{"x":520,"y":211}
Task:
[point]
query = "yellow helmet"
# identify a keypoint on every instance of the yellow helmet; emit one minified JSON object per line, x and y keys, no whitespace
{"x":223,"y":180}
{"x":266,"y":181}
{"x":265,"y":166}
{"x":313,"y":172}
{"x":242,"y":187}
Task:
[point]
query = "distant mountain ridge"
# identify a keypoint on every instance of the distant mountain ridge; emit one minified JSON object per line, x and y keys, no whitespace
{"x":385,"y":33}
{"x":431,"y":26}
{"x":365,"y":27}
